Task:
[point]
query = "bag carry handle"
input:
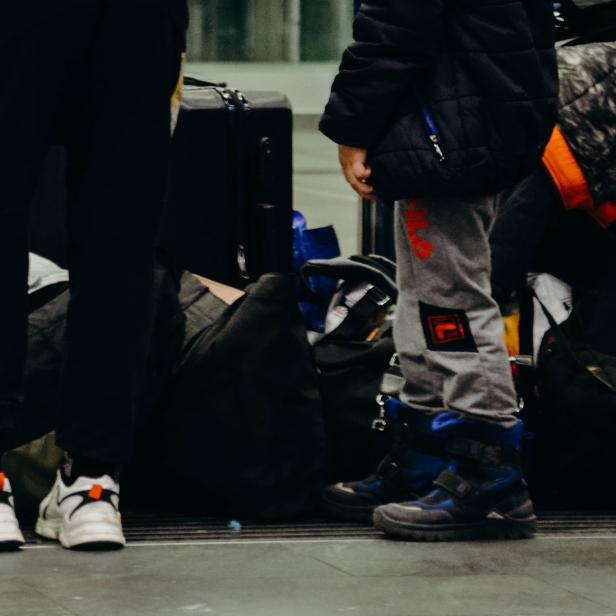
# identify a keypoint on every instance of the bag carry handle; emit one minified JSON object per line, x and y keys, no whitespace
{"x":564,"y":340}
{"x":351,"y":271}
{"x":200,"y":83}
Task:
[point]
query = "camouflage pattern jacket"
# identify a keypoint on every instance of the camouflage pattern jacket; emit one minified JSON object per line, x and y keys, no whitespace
{"x":588,"y":113}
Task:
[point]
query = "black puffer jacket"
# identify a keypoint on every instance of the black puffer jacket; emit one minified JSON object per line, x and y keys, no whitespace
{"x":17,"y":16}
{"x":588,"y":113}
{"x":484,"y":69}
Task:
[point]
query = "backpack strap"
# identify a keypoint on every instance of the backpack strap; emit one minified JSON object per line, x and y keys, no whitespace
{"x":563,"y":338}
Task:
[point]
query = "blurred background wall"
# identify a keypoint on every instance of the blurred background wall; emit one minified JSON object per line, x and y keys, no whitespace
{"x":269,"y":30}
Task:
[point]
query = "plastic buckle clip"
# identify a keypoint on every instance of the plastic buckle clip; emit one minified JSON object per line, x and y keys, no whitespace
{"x":380,"y":423}
{"x":378,"y":297}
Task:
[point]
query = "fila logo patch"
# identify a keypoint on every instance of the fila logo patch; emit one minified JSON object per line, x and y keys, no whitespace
{"x":416,"y":219}
{"x":446,"y":329}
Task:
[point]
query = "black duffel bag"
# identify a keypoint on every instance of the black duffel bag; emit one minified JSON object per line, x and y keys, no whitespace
{"x":352,"y":359}
{"x":351,"y":373}
{"x":242,"y":424}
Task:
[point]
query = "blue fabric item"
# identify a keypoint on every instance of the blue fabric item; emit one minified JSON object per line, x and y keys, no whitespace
{"x":299,"y":221}
{"x":420,"y":422}
{"x":321,"y":243}
{"x":452,"y":424}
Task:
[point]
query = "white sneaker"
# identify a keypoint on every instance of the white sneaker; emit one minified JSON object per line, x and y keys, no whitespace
{"x":10,"y":535}
{"x":84,"y":515}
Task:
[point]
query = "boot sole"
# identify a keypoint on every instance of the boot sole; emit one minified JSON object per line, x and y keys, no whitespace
{"x":507,"y":528}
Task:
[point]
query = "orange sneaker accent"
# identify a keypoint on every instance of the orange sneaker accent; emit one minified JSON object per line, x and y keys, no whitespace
{"x":2,"y":476}
{"x":568,"y":177}
{"x":96,"y":492}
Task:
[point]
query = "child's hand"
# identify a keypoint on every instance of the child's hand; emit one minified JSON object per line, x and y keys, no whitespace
{"x":356,"y":171}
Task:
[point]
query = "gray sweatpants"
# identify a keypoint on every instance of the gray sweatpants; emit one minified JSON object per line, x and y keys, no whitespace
{"x":448,"y":330}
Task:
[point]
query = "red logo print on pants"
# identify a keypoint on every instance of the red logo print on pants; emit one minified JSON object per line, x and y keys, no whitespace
{"x":446,"y":328}
{"x":416,"y":217}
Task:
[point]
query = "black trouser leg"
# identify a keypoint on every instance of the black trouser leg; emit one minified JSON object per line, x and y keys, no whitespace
{"x":16,"y":169}
{"x":33,"y":73}
{"x":119,"y":162}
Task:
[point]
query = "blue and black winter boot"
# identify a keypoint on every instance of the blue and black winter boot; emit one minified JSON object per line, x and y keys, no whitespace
{"x":482,"y":493}
{"x":406,"y":473}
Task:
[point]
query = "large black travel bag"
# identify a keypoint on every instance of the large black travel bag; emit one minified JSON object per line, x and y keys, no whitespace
{"x":241,"y":423}
{"x":351,"y":360}
{"x":229,"y":214}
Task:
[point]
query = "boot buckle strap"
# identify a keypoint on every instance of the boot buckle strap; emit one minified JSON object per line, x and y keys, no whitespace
{"x":454,"y":484}
{"x":486,"y":455}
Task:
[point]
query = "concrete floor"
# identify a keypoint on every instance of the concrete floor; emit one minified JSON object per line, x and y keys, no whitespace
{"x":551,"y":575}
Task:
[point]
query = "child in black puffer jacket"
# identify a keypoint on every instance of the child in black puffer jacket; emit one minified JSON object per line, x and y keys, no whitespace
{"x":440,"y":106}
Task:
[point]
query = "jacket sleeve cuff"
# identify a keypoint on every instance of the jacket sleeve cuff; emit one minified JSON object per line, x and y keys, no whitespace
{"x":354,"y":127}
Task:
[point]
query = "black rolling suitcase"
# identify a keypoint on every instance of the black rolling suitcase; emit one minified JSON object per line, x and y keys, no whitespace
{"x":229,"y":213}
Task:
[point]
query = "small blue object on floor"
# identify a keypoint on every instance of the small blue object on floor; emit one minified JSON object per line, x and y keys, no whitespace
{"x":235,"y":526}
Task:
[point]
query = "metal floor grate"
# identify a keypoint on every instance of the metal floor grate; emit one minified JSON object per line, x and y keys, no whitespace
{"x":147,"y":528}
